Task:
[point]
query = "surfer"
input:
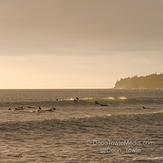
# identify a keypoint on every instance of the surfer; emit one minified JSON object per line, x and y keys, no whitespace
{"x":97,"y":103}
{"x":144,"y":107}
{"x":38,"y":110}
{"x":52,"y":109}
{"x":31,"y":107}
{"x":76,"y":99}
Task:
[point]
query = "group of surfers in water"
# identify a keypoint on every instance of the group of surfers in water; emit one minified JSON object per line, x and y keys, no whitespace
{"x":37,"y":110}
{"x":53,"y":109}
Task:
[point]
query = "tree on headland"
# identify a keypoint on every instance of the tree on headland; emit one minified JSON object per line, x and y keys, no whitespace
{"x":153,"y":81}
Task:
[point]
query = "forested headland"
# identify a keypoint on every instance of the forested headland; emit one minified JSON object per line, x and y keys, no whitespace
{"x":153,"y":81}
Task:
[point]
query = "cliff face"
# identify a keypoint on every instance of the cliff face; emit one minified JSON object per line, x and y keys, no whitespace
{"x":153,"y":81}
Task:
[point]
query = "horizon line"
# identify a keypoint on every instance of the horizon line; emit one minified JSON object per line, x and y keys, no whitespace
{"x":52,"y":88}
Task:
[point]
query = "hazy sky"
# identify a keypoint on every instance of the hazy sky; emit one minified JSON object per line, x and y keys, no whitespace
{"x":78,"y":43}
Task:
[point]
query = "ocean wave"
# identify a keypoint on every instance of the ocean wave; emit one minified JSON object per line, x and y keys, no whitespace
{"x":88,"y":101}
{"x":87,"y":118}
{"x":122,"y":98}
{"x":145,"y":158}
{"x":126,"y":116}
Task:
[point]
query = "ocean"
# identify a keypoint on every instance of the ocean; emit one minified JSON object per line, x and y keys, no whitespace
{"x":87,"y":125}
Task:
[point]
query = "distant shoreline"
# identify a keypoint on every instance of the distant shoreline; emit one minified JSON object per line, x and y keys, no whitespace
{"x":153,"y":81}
{"x":138,"y":88}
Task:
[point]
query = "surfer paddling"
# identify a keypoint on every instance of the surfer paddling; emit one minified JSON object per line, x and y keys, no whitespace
{"x":97,"y":103}
{"x":144,"y":107}
{"x":51,"y":110}
{"x":38,"y":110}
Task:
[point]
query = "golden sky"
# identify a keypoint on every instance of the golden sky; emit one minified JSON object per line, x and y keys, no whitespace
{"x":78,"y":43}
